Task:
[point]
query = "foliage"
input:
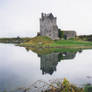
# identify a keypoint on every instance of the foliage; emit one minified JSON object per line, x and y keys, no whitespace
{"x":85,"y":37}
{"x":72,"y":38}
{"x":61,"y":33}
{"x":66,"y":86}
{"x":88,"y":88}
{"x":14,"y":40}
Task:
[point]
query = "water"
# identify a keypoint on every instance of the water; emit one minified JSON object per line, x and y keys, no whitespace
{"x":21,"y":68}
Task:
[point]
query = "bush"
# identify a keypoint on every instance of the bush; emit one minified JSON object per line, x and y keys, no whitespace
{"x":61,"y":33}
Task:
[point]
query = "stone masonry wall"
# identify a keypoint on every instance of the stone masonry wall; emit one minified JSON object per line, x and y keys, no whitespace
{"x":69,"y":34}
{"x":48,"y":26}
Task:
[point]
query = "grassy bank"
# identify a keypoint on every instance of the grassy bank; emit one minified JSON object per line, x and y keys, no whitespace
{"x":45,"y":42}
{"x":14,"y":40}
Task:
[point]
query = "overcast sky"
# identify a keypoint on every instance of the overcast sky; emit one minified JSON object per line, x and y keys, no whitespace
{"x":21,"y":17}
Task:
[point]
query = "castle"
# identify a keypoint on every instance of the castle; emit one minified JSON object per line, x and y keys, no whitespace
{"x":49,"y":28}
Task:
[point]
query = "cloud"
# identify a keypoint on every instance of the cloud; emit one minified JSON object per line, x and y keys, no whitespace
{"x":21,"y":17}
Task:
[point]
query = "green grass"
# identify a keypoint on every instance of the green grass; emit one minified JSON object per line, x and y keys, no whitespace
{"x":39,"y":41}
{"x":88,"y":88}
{"x":45,"y":42}
{"x":71,"y":43}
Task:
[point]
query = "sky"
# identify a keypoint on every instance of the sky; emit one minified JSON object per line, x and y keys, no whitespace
{"x":21,"y":17}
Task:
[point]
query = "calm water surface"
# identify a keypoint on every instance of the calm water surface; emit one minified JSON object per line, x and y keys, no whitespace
{"x":21,"y":68}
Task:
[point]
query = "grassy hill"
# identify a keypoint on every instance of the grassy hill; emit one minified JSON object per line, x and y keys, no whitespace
{"x":46,"y":42}
{"x":38,"y":42}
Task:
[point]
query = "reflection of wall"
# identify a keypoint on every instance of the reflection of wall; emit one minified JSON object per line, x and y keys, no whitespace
{"x":68,"y":55}
{"x":50,"y":61}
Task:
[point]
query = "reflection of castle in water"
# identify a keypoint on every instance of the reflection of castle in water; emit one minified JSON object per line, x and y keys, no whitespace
{"x":49,"y":61}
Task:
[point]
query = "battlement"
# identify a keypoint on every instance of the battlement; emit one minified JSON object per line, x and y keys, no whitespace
{"x":47,"y":16}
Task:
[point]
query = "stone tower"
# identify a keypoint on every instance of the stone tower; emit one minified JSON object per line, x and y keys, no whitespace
{"x":48,"y":26}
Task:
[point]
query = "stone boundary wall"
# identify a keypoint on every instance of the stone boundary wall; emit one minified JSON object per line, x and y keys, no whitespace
{"x":69,"y":34}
